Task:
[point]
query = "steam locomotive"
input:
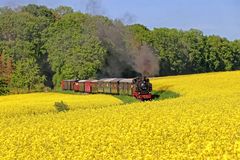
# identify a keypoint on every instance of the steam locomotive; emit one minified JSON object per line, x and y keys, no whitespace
{"x":139,"y":87}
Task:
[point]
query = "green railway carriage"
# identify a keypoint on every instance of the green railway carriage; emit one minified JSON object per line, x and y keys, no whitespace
{"x":101,"y":85}
{"x":107,"y":85}
{"x":126,"y":86}
{"x":94,"y":86}
{"x":115,"y":85}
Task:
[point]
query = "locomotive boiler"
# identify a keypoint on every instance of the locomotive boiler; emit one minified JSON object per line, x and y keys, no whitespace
{"x":139,"y":87}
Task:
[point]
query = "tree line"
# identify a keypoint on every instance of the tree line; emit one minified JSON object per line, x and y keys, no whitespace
{"x":40,"y":46}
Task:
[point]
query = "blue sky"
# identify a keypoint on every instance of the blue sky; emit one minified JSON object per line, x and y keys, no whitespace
{"x":219,"y":17}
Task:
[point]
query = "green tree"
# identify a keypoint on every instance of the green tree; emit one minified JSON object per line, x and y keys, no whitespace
{"x":62,"y":10}
{"x":171,"y":49}
{"x":73,"y":52}
{"x":4,"y":10}
{"x":3,"y":87}
{"x":194,"y":42}
{"x":235,"y":45}
{"x":227,"y":55}
{"x":39,"y":11}
{"x":218,"y":54}
{"x":21,"y":35}
{"x":26,"y":75}
{"x":140,"y":32}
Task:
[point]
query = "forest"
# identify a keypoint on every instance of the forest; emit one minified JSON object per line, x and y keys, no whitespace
{"x":40,"y":46}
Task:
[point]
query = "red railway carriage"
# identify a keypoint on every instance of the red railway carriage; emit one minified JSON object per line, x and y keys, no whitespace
{"x":79,"y":86}
{"x":91,"y":86}
{"x":88,"y":86}
{"x":76,"y":87}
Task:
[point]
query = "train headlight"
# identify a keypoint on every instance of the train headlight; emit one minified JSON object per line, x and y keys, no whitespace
{"x":143,"y":86}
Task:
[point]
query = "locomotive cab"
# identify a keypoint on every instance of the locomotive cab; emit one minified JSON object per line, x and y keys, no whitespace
{"x":143,"y":85}
{"x":143,"y":88}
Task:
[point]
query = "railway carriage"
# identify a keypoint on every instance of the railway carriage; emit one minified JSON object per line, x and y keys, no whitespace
{"x":101,"y":85}
{"x":81,"y":85}
{"x":94,"y":86}
{"x":115,"y":85}
{"x":107,"y":85}
{"x":68,"y":84}
{"x":88,"y":88}
{"x":126,"y":87}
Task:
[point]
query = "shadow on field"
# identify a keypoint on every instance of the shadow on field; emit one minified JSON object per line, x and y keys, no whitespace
{"x":157,"y":95}
{"x":164,"y":94}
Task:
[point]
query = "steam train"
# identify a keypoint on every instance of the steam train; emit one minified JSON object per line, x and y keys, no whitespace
{"x":139,"y":87}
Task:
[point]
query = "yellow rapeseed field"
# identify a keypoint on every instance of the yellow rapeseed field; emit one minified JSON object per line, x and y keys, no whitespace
{"x":37,"y":103}
{"x":203,"y":123}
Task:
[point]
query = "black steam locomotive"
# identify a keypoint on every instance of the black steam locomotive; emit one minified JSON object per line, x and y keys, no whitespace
{"x":139,"y":87}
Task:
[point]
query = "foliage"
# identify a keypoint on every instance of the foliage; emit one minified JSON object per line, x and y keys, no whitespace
{"x":3,"y":87}
{"x":61,"y":107}
{"x":141,"y":33}
{"x":72,"y":52}
{"x":26,"y":75}
{"x":62,"y":10}
{"x":6,"y":68}
{"x":21,"y":34}
{"x":39,"y":11}
{"x":184,"y":52}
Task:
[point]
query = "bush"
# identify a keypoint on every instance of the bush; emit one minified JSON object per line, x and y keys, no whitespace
{"x":61,"y":107}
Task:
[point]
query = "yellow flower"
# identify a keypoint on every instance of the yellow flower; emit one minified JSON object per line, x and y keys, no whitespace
{"x":203,"y":123}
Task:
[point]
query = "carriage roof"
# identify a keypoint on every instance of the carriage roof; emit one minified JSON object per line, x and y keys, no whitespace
{"x":117,"y":79}
{"x":82,"y":81}
{"x":108,"y":79}
{"x":128,"y":80}
{"x":70,"y":80}
{"x":94,"y":81}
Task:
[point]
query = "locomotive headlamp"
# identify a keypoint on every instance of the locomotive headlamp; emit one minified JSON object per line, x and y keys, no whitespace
{"x":143,"y":85}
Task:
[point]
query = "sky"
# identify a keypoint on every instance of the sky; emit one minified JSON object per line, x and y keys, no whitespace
{"x":218,"y":17}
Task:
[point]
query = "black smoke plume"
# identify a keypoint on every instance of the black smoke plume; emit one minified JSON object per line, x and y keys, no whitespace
{"x":126,"y":56}
{"x":94,"y":7}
